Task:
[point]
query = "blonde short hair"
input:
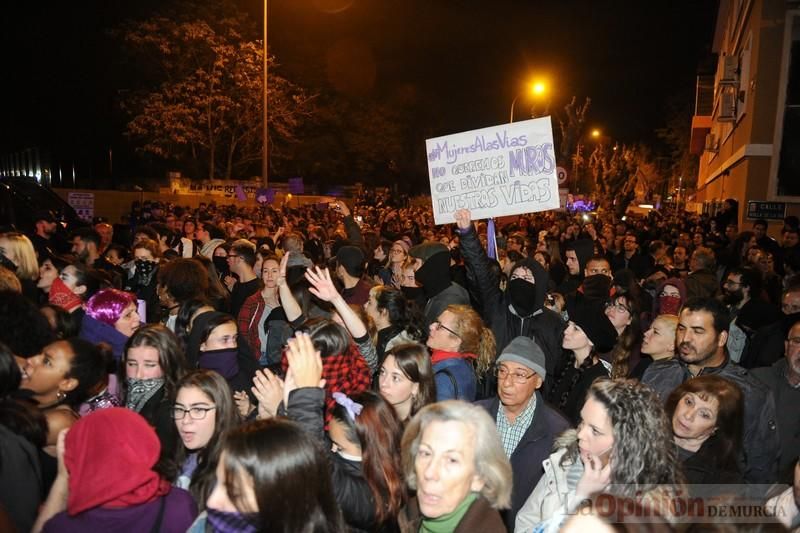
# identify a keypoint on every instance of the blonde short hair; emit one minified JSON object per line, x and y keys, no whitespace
{"x":491,"y":463}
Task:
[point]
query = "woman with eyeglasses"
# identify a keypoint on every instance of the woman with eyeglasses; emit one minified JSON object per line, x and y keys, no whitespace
{"x":623,"y":313}
{"x":462,"y":352}
{"x":204,"y":415}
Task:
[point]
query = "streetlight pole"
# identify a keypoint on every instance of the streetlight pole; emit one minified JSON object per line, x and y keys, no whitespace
{"x":536,"y":89}
{"x":265,"y":157}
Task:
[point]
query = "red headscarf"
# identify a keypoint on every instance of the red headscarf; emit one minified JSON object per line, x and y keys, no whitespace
{"x":110,"y":456}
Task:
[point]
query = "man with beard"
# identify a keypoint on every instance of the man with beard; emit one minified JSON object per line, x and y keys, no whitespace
{"x":86,"y":247}
{"x":741,"y":293}
{"x":520,"y":310}
{"x":45,"y":239}
{"x":783,"y":379}
{"x":700,"y":340}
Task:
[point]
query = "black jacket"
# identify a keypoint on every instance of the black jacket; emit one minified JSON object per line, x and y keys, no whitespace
{"x":543,"y":325}
{"x":349,"y":485}
{"x":760,"y":443}
{"x":534,"y":447}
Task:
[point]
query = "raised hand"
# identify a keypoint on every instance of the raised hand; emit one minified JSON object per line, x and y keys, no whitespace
{"x":342,"y":208}
{"x":268,"y":390}
{"x":282,"y":267}
{"x":305,"y":363}
{"x":242,"y":401}
{"x":463,"y":218}
{"x":321,"y":284}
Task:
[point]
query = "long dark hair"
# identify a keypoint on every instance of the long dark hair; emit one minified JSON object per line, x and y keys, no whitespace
{"x":88,"y":367}
{"x":281,"y":459}
{"x":414,"y":361}
{"x":403,"y":315}
{"x":726,"y":442}
{"x":627,"y":339}
{"x":377,"y":430}
{"x":226,"y":417}
{"x":171,"y":357}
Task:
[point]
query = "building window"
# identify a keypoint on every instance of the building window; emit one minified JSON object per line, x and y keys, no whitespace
{"x":789,"y":160}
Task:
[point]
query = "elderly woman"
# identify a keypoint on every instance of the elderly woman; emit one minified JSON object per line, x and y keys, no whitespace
{"x":94,"y":492}
{"x":622,"y":446}
{"x":454,"y":460}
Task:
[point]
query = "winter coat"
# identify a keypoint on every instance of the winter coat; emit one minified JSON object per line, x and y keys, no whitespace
{"x":761,"y":445}
{"x":543,"y":325}
{"x":276,"y":325}
{"x":551,"y":495}
{"x":701,"y":283}
{"x":455,"y":380}
{"x":349,"y":484}
{"x":480,"y":517}
{"x":788,"y":416}
{"x":532,"y":450}
{"x":94,"y":331}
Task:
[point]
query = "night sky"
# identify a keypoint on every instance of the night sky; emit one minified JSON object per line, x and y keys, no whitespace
{"x":466,"y":59}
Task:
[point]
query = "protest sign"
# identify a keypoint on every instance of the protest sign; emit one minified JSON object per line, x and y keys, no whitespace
{"x":503,"y":170}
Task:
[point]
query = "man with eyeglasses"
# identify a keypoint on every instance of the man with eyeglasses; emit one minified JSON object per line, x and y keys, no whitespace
{"x":526,"y":424}
{"x":749,"y":313}
{"x":783,"y":379}
{"x":520,"y":309}
{"x":241,"y":261}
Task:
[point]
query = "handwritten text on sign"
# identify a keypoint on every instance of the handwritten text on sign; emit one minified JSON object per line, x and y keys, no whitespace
{"x":502,"y":170}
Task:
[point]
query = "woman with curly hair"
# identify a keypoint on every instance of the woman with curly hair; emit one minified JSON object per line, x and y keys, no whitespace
{"x":462,"y":352}
{"x":623,"y":447}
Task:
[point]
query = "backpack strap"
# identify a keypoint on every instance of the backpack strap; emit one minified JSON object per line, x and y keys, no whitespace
{"x":452,"y":378}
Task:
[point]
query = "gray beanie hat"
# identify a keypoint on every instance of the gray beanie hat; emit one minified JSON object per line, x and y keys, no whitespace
{"x":525,"y":351}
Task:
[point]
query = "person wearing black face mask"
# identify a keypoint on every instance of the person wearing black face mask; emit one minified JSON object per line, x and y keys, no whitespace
{"x":143,"y":277}
{"x":214,"y":344}
{"x":520,"y":310}
{"x":433,"y":273}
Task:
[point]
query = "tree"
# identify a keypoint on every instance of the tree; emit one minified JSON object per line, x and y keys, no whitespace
{"x":618,"y":172}
{"x":676,"y":135}
{"x":203,"y":107}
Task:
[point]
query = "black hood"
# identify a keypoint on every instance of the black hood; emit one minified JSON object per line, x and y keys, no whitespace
{"x":540,"y":275}
{"x":194,"y":342}
{"x":584,"y":250}
{"x":434,"y":274}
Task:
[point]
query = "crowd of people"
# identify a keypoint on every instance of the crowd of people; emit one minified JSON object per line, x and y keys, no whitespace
{"x":323,"y":369}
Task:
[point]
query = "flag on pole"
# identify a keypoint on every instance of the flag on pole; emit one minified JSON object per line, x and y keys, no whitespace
{"x":491,"y":240}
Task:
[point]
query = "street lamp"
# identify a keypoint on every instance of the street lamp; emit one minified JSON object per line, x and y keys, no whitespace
{"x":265,"y":158}
{"x":595,"y":134}
{"x":538,"y":88}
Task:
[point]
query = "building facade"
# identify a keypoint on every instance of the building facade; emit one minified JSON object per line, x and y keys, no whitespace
{"x":746,"y":126}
